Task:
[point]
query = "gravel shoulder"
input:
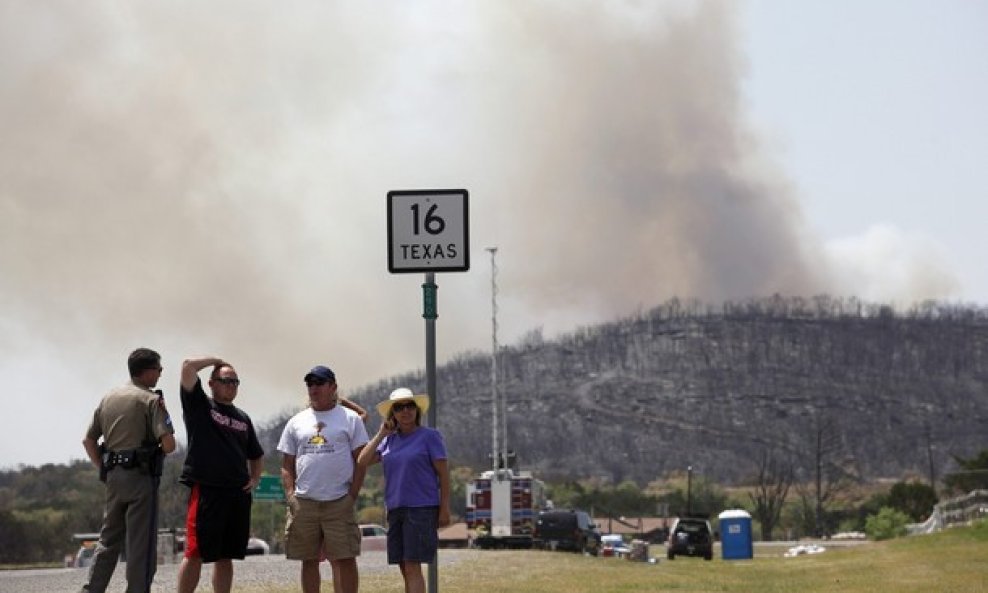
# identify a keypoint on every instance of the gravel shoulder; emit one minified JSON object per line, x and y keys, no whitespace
{"x":253,"y":572}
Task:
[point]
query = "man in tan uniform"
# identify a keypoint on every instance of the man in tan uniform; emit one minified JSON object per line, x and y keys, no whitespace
{"x":137,"y":433}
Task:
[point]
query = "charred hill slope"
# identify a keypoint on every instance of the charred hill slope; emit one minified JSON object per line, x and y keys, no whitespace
{"x":882,"y":394}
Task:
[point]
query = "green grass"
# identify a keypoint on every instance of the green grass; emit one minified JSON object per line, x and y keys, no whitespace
{"x":955,"y":561}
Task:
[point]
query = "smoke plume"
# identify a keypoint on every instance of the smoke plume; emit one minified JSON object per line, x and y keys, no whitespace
{"x":210,"y":178}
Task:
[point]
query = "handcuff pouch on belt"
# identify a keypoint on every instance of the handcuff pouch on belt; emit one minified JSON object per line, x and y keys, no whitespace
{"x":149,"y":459}
{"x":126,"y":459}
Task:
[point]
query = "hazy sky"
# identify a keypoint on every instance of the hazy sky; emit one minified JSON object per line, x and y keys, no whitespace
{"x":210,"y":178}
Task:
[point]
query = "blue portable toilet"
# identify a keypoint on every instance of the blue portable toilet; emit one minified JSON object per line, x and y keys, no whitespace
{"x":735,"y":535}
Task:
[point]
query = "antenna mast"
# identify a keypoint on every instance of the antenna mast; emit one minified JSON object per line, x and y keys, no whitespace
{"x":495,"y":452}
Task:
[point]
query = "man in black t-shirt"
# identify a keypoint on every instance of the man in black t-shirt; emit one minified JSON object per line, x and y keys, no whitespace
{"x":222,"y":467}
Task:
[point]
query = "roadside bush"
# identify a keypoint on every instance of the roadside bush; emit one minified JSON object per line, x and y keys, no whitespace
{"x":888,"y":523}
{"x":913,"y":498}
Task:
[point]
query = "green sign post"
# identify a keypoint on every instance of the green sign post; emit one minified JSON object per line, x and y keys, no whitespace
{"x":269,"y":489}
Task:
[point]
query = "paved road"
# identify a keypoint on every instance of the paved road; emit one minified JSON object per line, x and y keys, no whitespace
{"x":255,"y":571}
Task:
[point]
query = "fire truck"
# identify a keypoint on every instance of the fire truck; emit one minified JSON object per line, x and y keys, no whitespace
{"x":502,"y":507}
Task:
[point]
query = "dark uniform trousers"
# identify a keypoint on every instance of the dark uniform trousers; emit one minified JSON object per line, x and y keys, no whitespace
{"x":131,"y":498}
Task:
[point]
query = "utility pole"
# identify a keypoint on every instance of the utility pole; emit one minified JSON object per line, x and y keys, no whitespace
{"x":689,"y":490}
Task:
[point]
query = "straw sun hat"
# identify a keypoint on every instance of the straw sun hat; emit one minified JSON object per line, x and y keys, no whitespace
{"x":400,"y":395}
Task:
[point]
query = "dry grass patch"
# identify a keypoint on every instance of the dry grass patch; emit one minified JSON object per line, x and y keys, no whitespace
{"x":950,"y":562}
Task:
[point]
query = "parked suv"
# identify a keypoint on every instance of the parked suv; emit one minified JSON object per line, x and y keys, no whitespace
{"x":690,"y":536}
{"x":566,"y":530}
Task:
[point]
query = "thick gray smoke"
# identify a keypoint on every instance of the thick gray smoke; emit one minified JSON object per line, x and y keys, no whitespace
{"x":211,"y":178}
{"x":633,"y":182}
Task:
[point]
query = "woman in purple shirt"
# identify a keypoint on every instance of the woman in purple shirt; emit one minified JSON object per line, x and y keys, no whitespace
{"x":416,"y":483}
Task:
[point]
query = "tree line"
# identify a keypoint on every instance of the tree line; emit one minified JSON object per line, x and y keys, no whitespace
{"x":42,"y":507}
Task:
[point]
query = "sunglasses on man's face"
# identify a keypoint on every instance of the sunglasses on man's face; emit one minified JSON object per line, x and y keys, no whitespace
{"x":311,"y":382}
{"x":400,"y":407}
{"x":228,"y":380}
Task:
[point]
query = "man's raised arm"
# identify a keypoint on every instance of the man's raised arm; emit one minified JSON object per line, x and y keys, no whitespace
{"x":191,"y":368}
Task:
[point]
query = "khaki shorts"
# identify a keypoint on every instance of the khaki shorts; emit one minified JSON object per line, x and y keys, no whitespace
{"x":318,"y":526}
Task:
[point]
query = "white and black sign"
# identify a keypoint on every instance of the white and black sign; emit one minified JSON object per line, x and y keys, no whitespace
{"x":428,"y":231}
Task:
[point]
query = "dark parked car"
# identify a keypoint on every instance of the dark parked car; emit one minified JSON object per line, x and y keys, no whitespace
{"x":566,"y":530}
{"x":690,"y":536}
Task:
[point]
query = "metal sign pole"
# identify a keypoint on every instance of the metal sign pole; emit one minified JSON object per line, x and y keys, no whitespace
{"x":430,"y":312}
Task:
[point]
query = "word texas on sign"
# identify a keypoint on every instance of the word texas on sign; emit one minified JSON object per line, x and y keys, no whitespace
{"x":428,"y":231}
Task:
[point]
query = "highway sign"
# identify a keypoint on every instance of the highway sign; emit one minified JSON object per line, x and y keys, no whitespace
{"x":269,"y":488}
{"x":428,"y":231}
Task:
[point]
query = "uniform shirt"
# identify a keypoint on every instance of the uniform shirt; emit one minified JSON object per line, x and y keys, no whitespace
{"x":323,"y":444}
{"x":221,"y":440}
{"x":128,"y":417}
{"x":410,"y":479}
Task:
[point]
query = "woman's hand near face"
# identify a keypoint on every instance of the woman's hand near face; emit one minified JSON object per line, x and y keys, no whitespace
{"x":388,"y":426}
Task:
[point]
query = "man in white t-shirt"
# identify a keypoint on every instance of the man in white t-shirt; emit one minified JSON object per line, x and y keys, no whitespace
{"x":319,"y":448}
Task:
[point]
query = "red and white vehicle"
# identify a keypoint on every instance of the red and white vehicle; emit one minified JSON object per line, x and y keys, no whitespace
{"x":502,"y":508}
